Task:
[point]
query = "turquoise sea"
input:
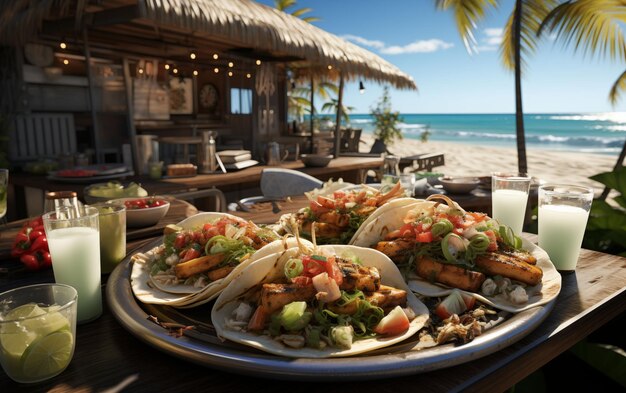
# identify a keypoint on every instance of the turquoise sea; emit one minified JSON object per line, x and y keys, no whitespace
{"x":589,"y":132}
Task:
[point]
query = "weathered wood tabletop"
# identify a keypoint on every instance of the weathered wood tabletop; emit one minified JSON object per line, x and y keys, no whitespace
{"x":108,"y":355}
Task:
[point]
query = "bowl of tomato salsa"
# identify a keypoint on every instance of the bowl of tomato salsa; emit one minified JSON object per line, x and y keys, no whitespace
{"x":144,"y":211}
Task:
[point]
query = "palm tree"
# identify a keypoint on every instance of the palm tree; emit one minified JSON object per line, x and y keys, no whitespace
{"x":519,"y":40}
{"x":332,"y":107}
{"x":593,"y":26}
{"x":282,"y":5}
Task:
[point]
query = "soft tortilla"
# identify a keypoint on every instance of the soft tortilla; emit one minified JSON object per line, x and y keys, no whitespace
{"x":392,"y":219}
{"x":148,"y":291}
{"x":271,"y":267}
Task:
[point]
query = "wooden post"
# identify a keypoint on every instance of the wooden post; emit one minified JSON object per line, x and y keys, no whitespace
{"x":92,"y":98}
{"x":312,"y":114}
{"x":338,"y":119}
{"x":130,"y":113}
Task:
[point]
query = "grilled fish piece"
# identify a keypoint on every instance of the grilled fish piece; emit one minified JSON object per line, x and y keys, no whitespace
{"x":386,"y":298}
{"x":275,"y":296}
{"x":454,"y":276}
{"x":506,"y":265}
{"x":397,"y":250}
{"x":323,"y":229}
{"x":366,"y":279}
{"x":522,"y":255}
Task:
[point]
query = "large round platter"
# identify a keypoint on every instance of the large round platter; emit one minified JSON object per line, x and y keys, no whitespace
{"x":201,"y":345}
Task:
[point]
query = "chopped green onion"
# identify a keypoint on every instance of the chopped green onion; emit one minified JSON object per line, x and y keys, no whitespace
{"x":293,"y":268}
{"x":479,"y":242}
{"x":442,"y":227}
{"x":451,"y":246}
{"x":319,"y":258}
{"x":294,"y":316}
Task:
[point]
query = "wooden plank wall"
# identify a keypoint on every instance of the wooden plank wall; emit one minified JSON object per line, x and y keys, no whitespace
{"x":42,"y":135}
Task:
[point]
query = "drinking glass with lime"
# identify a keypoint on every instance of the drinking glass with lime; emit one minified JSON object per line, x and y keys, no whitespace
{"x":37,"y":331}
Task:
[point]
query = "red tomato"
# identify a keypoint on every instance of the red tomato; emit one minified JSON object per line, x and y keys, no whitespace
{"x":35,"y":234}
{"x":312,"y":267}
{"x":30,"y":261}
{"x":454,"y":303}
{"x":333,"y":270}
{"x":493,"y":243}
{"x":326,"y":202}
{"x":180,"y":241}
{"x":424,"y":237}
{"x":190,"y":254}
{"x":394,"y":323}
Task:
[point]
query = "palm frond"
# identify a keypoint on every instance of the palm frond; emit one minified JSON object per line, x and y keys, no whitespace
{"x":618,"y":87}
{"x":591,"y":26}
{"x":282,"y":5}
{"x":467,"y":14}
{"x":533,"y":13}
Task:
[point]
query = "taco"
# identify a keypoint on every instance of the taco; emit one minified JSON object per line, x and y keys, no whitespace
{"x":338,"y":216}
{"x":199,"y":258}
{"x":332,"y":302}
{"x":441,"y":246}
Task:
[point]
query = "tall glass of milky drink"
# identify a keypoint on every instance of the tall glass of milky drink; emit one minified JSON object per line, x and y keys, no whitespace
{"x":563,"y":213}
{"x":74,"y":243}
{"x":509,"y":195}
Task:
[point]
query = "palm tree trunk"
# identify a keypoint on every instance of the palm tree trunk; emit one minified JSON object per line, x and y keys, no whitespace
{"x":338,"y":119}
{"x":522,"y":164}
{"x":311,"y":120}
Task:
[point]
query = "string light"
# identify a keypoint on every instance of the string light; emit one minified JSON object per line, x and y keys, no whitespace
{"x":63,"y":45}
{"x":140,"y":70}
{"x":231,"y":64}
{"x":66,"y":61}
{"x":258,"y":62}
{"x":330,"y":67}
{"x":215,"y":56}
{"x":195,"y":72}
{"x":230,"y":73}
{"x":192,"y":55}
{"x":248,"y":76}
{"x":175,"y":70}
{"x":216,"y":70}
{"x":167,"y":66}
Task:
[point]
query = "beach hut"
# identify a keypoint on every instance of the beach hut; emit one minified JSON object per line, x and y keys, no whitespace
{"x":91,"y":76}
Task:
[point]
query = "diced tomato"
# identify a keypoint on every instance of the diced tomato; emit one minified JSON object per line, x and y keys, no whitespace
{"x":302,"y":281}
{"x":407,"y":230}
{"x":493,"y":243}
{"x":180,"y":241}
{"x":452,"y":304}
{"x":326,"y":202}
{"x":316,"y":208}
{"x":257,"y":322}
{"x":478,"y":217}
{"x":333,"y":270}
{"x":424,"y":237}
{"x":394,"y":323}
{"x":190,"y":254}
{"x":312,"y":267}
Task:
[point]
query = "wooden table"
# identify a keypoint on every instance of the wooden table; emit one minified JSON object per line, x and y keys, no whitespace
{"x":351,"y":169}
{"x":107,"y":355}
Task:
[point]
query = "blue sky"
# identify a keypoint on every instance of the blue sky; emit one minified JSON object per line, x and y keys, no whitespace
{"x":425,"y":44}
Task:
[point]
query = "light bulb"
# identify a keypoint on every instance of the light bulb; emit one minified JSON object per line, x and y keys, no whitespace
{"x":248,"y":76}
{"x":66,"y":61}
{"x":231,"y":64}
{"x":195,"y":72}
{"x":167,"y":66}
{"x":216,"y":70}
{"x":230,"y":73}
{"x":192,"y":55}
{"x":215,"y":56}
{"x":258,"y":62}
{"x":175,"y":70}
{"x":140,"y":70}
{"x":63,"y":45}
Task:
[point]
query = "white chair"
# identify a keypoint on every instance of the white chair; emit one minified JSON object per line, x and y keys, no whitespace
{"x":280,"y":182}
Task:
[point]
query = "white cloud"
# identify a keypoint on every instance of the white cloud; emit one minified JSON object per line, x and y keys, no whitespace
{"x":491,"y":41}
{"x":422,"y":46}
{"x":364,"y":41}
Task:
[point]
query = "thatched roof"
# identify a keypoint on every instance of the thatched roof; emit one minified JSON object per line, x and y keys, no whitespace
{"x":240,"y":23}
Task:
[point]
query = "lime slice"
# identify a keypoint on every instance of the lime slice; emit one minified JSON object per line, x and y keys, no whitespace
{"x":16,"y":334}
{"x":48,"y":355}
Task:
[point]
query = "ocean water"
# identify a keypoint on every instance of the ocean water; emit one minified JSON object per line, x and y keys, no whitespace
{"x":603,"y":133}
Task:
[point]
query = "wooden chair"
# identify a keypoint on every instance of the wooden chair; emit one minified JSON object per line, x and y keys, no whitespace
{"x":350,"y":139}
{"x":42,"y":135}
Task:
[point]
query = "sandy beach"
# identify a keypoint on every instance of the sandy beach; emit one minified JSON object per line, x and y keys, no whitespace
{"x":469,"y":160}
